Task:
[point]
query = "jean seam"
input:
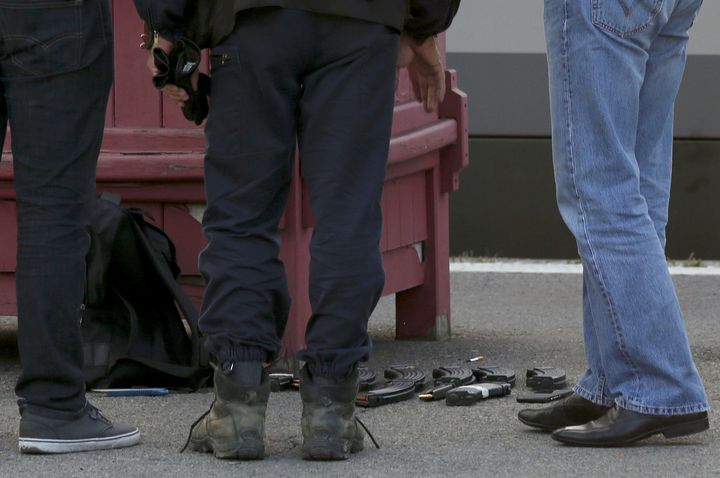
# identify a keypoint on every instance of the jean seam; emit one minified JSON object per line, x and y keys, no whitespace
{"x":581,"y":210}
{"x":600,"y":390}
{"x":608,"y":27}
{"x":594,"y":367}
{"x":598,"y":400}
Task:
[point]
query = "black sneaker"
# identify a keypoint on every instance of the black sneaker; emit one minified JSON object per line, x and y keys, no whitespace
{"x":86,"y":431}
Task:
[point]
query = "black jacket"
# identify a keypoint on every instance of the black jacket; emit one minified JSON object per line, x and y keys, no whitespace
{"x":419,"y":18}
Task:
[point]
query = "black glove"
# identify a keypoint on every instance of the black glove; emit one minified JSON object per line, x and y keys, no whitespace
{"x":177,"y":69}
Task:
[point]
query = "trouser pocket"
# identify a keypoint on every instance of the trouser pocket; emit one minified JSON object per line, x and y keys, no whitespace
{"x":625,"y":17}
{"x":40,"y":38}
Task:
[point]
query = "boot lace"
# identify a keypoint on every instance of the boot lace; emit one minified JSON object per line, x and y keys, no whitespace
{"x":192,"y":427}
{"x":372,"y":438}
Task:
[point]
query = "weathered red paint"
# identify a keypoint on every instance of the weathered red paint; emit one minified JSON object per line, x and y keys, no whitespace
{"x":153,"y":158}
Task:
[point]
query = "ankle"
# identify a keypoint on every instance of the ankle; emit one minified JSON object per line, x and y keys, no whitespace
{"x":244,"y":374}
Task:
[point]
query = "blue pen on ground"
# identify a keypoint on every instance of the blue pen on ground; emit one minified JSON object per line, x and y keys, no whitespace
{"x":132,"y":392}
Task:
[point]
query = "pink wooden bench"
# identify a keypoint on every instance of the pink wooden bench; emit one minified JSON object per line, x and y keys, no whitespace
{"x":153,"y":158}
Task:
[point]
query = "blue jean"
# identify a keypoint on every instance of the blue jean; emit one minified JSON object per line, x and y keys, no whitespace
{"x":56,"y":68}
{"x":283,"y":78}
{"x":615,"y":70}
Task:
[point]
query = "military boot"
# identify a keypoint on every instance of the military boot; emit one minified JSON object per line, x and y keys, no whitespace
{"x":330,"y":430}
{"x":234,"y":427}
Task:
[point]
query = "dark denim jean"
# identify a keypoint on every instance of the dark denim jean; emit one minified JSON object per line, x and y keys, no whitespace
{"x":286,"y":78}
{"x":56,"y":69}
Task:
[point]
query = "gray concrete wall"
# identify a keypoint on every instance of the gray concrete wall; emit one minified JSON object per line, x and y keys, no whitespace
{"x":506,"y":204}
{"x":515,"y":26}
{"x":498,"y":46}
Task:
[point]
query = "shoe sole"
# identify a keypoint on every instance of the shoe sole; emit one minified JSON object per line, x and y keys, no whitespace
{"x":244,"y":452}
{"x":671,"y":431}
{"x":48,"y":446}
{"x":330,"y":450}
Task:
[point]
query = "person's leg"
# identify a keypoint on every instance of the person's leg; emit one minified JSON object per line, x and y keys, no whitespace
{"x":346,"y":118}
{"x":590,"y":400}
{"x":654,"y":148}
{"x":597,"y":59}
{"x":57,"y":126}
{"x":592,"y":385}
{"x":251,"y":137}
{"x":56,"y":91}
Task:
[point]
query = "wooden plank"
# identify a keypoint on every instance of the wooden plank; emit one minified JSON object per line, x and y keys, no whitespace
{"x":424,"y":311}
{"x":172,"y":116}
{"x":403,"y":270}
{"x":422,"y":141}
{"x":295,"y":254}
{"x":137,"y":103}
{"x":186,"y":233}
{"x":166,"y":141}
{"x":394,"y":213}
{"x":8,"y":305}
{"x":410,"y":115}
{"x":407,"y":205}
{"x":8,"y":236}
{"x":110,"y":112}
{"x":420,"y":211}
{"x":179,"y":193}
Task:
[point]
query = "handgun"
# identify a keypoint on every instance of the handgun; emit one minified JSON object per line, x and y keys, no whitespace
{"x":470,"y":394}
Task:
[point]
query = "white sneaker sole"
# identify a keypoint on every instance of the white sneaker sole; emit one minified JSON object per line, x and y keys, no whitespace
{"x":48,"y":446}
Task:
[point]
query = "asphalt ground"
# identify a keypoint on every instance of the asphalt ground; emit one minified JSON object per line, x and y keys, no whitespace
{"x":515,"y":320}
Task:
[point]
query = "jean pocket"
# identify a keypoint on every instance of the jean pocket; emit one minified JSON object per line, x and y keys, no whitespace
{"x":625,"y":17}
{"x":40,"y":37}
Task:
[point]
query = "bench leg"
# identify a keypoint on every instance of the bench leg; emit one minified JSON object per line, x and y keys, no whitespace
{"x":423,"y":312}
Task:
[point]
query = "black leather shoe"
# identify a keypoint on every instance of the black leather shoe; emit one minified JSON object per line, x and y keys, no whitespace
{"x":574,"y":410}
{"x":620,"y":427}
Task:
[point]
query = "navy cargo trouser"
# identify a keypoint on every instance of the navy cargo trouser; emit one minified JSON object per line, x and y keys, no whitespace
{"x":55,"y":75}
{"x":287,"y":77}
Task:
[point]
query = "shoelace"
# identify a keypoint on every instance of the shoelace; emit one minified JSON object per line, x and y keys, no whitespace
{"x":372,"y":438}
{"x":192,"y":427}
{"x":96,"y":415}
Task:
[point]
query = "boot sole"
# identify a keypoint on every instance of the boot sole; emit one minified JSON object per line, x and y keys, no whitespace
{"x":330,"y":450}
{"x":244,"y":452}
{"x":48,"y":446}
{"x":671,"y":431}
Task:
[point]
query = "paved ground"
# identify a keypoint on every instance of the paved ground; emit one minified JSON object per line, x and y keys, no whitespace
{"x":515,"y":320}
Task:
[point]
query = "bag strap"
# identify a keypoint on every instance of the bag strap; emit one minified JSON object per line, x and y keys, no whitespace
{"x":199,"y":358}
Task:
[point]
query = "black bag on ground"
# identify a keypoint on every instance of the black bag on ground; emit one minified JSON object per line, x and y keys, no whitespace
{"x":133,"y":330}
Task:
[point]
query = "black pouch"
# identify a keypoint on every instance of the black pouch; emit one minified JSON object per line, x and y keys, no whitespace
{"x":178,"y":68}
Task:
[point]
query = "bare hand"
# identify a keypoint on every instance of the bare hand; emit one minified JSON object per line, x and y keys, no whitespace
{"x":426,"y":70}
